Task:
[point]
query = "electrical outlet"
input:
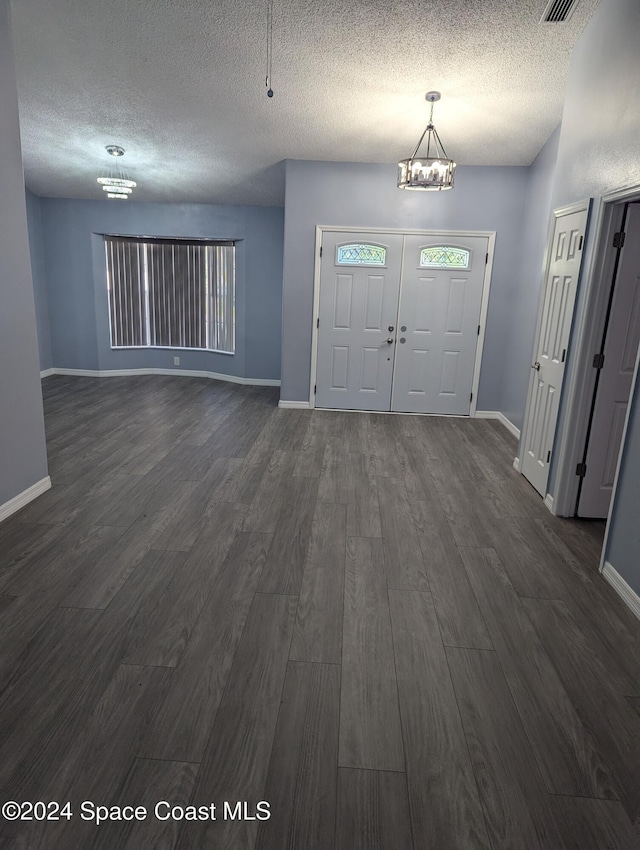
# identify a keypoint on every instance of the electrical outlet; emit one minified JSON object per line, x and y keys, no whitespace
{"x":176,"y":361}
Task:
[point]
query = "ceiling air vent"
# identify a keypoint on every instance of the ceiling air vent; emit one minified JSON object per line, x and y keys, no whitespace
{"x":558,"y":11}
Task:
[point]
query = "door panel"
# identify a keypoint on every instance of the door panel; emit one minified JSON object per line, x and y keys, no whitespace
{"x":374,"y":303}
{"x":449,"y":376}
{"x":342,"y":301}
{"x":359,"y":286}
{"x":418,"y":370}
{"x":370,"y":379}
{"x":558,"y":299}
{"x":440,"y":309}
{"x":614,"y":386}
{"x":339,"y":367}
{"x":456,"y":306}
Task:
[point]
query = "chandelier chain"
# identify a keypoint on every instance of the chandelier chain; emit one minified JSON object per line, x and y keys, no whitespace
{"x":267,"y":81}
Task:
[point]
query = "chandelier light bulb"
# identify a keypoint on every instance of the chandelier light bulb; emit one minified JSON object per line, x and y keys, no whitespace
{"x":427,"y":173}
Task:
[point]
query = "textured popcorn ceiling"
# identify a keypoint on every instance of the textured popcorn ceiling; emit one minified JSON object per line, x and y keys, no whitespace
{"x":180,"y":85}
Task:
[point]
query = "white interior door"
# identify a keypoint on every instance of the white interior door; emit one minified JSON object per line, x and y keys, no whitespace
{"x":359,"y":286}
{"x":438,"y":323}
{"x":558,"y":299}
{"x":614,"y":386}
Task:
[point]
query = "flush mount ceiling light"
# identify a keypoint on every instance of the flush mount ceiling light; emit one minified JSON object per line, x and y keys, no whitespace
{"x":116,"y":184}
{"x":434,"y":171}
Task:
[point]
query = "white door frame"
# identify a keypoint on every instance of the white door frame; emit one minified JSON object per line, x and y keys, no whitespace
{"x":558,"y":212}
{"x":586,"y":337}
{"x":484,"y":306}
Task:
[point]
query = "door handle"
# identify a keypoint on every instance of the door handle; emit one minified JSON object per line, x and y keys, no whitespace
{"x":536,"y":366}
{"x":390,"y":340}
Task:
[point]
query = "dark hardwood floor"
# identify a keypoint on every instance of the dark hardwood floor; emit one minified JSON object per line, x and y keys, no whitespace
{"x":370,"y":622}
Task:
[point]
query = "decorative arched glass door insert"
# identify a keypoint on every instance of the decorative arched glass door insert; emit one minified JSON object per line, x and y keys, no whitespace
{"x":444,"y":257}
{"x":361,"y":254}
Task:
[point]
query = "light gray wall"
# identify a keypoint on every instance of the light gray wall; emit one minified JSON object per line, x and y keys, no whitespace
{"x":365,"y":195}
{"x":599,"y":152}
{"x":36,"y":247}
{"x":23,"y":457}
{"x":77,"y":293}
{"x":526,"y":296}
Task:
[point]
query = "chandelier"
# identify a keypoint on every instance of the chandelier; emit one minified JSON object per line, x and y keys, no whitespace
{"x":116,"y":184}
{"x":433,"y":171}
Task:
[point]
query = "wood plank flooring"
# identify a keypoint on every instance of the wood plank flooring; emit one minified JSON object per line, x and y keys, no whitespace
{"x":370,"y":623}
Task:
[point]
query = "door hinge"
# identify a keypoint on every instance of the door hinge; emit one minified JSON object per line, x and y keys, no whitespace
{"x":478,"y":330}
{"x":318,"y":322}
{"x":581,"y":243}
{"x":315,"y":389}
{"x":581,"y":470}
{"x":548,"y":455}
{"x":321,"y":250}
{"x":618,"y":239}
{"x":471,"y":397}
{"x":486,"y":258}
{"x":564,"y":355}
{"x":598,"y":361}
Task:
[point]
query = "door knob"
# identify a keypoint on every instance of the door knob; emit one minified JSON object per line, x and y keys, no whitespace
{"x":390,"y":340}
{"x":536,"y":366}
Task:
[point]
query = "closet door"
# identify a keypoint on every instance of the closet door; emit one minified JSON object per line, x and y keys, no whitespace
{"x":438,"y":321}
{"x":556,"y":315}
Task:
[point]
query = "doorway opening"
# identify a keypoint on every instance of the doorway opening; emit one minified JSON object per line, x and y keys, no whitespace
{"x":615,"y":365}
{"x":589,"y":325}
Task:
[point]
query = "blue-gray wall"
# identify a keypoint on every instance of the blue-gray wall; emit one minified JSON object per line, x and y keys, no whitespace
{"x":76,"y":282}
{"x":36,"y":246}
{"x":599,"y":152}
{"x":523,"y":309}
{"x":365,"y":195}
{"x":23,"y":457}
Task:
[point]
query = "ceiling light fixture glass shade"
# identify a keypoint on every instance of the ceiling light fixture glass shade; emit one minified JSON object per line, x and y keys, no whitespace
{"x":120,"y":190}
{"x":432,"y":172}
{"x":117,"y":181}
{"x":117,"y":185}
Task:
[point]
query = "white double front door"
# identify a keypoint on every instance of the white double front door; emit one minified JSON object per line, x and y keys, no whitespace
{"x":398,"y":321}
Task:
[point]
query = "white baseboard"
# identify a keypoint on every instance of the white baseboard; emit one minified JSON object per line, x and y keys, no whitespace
{"x":24,"y":498}
{"x":294,"y":405}
{"x":502,"y":419}
{"x":117,"y":373}
{"x":516,"y":464}
{"x":548,"y":502}
{"x":626,"y":593}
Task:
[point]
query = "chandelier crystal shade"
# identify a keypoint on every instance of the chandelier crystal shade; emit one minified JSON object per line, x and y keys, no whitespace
{"x":434,"y":171}
{"x":116,"y":184}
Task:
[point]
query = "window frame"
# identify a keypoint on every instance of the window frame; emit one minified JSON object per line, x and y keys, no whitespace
{"x":196,"y":242}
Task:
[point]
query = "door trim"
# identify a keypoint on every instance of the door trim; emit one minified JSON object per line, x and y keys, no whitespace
{"x":557,"y":458}
{"x":484,"y":305}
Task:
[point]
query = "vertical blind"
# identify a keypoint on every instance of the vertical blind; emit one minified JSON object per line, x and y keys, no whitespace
{"x":170,"y":294}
